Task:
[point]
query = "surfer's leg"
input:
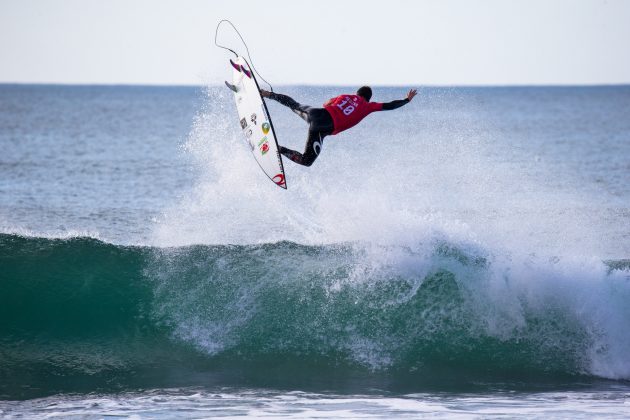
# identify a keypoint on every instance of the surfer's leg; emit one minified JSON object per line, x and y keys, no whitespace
{"x":311,"y":151}
{"x":301,"y":110}
{"x":320,"y":120}
{"x":320,"y":126}
{"x":291,"y":154}
{"x":284,"y":100}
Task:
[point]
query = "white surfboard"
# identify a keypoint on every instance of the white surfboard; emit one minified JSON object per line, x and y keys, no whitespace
{"x":255,"y":121}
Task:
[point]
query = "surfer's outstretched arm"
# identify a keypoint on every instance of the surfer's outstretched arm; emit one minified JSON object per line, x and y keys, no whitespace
{"x":388,"y":106}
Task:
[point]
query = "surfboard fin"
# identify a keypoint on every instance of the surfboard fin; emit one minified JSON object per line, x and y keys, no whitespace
{"x":232,"y":87}
{"x":247,"y":72}
{"x":241,"y":68}
{"x":236,"y":66}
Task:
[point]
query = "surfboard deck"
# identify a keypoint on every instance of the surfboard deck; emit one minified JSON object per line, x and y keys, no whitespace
{"x":255,"y":121}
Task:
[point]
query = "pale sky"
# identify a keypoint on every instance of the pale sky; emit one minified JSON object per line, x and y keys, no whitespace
{"x":340,"y":42}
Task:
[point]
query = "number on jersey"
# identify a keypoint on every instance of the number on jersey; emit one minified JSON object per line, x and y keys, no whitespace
{"x":345,"y":107}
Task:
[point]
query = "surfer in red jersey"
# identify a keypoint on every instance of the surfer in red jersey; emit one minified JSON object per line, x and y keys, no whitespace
{"x":338,"y":114}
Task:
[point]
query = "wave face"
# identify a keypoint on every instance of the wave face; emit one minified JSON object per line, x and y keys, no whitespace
{"x":80,"y":314}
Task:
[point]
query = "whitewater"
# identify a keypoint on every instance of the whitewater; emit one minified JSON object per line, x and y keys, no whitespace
{"x":467,"y":254}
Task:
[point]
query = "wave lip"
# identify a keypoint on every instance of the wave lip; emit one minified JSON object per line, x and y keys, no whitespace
{"x":83,"y":314}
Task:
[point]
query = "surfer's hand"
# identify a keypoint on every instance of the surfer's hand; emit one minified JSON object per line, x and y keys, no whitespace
{"x":411,"y":94}
{"x":265,"y":93}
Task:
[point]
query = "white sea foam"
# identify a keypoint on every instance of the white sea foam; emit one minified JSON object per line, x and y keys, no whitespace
{"x":388,"y":186}
{"x":51,"y":234}
{"x":254,"y":403}
{"x":381,"y":182}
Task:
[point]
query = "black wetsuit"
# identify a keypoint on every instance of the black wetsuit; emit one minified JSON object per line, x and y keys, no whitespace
{"x":320,"y":125}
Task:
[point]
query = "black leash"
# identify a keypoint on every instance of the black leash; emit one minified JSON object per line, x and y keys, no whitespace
{"x":216,"y":32}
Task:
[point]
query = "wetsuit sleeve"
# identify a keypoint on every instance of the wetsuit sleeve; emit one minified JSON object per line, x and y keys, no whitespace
{"x":388,"y":106}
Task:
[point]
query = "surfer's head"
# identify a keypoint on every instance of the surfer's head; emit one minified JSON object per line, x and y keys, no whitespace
{"x":365,"y":92}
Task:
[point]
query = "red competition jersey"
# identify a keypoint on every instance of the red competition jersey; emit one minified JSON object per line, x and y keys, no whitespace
{"x":347,"y":110}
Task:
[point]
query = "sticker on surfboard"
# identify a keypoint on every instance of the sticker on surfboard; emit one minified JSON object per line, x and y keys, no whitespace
{"x":255,"y":122}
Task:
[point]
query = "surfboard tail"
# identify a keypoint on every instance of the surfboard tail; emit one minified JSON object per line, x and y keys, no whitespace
{"x":241,"y":68}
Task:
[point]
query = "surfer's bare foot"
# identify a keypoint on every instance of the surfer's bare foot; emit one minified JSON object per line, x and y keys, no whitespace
{"x":265,"y":93}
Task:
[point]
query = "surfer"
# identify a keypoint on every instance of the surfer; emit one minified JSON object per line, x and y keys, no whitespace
{"x":338,"y":114}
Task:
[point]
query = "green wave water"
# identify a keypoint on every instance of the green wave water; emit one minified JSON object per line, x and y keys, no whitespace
{"x":79,"y":314}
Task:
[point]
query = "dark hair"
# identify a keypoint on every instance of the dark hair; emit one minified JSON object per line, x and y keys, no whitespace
{"x":365,"y":92}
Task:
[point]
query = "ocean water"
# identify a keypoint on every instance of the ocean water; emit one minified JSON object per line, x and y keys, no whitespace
{"x":467,"y":255}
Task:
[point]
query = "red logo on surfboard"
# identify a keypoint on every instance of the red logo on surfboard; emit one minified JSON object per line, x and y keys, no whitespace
{"x":279,"y":180}
{"x":263,"y":145}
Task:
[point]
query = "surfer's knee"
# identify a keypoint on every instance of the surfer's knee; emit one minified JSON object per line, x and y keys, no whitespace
{"x":299,"y":159}
{"x":308,"y":160}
